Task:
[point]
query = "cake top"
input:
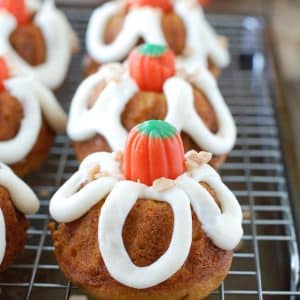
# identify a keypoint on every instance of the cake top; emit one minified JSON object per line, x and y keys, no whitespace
{"x":22,"y":197}
{"x":60,"y":39}
{"x":153,"y":167}
{"x":144,"y":21}
{"x":150,"y":67}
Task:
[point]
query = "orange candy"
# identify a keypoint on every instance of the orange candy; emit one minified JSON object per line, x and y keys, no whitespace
{"x":165,"y":5}
{"x":150,"y":66}
{"x":16,"y":8}
{"x":4,"y":74}
{"x":204,"y":2}
{"x":153,"y":150}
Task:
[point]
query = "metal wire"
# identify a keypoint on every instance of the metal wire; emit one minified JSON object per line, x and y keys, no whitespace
{"x":266,"y":264}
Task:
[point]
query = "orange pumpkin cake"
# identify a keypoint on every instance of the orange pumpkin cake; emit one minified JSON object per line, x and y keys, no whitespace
{"x":149,"y":85}
{"x":147,"y":225}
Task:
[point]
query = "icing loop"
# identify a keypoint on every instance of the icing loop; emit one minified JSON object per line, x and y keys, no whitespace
{"x":112,"y":218}
{"x":104,"y":118}
{"x":60,"y":41}
{"x":222,"y":225}
{"x":72,"y":206}
{"x":22,"y":196}
{"x":129,"y":35}
{"x":183,"y":116}
{"x":201,"y":43}
{"x":35,"y":99}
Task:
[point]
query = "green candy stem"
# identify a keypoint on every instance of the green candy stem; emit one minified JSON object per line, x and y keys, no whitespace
{"x":152,"y":49}
{"x":157,"y":129}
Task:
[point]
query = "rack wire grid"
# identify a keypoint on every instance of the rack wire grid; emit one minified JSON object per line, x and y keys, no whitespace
{"x":266,"y":264}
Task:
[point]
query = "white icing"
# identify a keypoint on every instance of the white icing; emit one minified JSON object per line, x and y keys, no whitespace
{"x":182,"y":113}
{"x":111,"y":222}
{"x":35,"y":99}
{"x":104,"y":117}
{"x":223,"y":226}
{"x":202,"y":41}
{"x":2,"y":237}
{"x":145,"y":22}
{"x":60,"y":41}
{"x":22,"y":196}
{"x":33,"y":5}
{"x":72,"y":207}
{"x":136,"y":25}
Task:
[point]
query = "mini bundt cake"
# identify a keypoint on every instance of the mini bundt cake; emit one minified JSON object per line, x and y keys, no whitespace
{"x":149,"y":224}
{"x":36,"y":39}
{"x":29,"y":118}
{"x":150,"y":86}
{"x":115,"y":28}
{"x":16,"y":199}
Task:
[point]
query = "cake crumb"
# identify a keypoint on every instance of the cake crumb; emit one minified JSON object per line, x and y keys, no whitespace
{"x":223,"y":40}
{"x":194,"y":159}
{"x":102,"y":174}
{"x":93,"y":173}
{"x":163,"y":184}
{"x":119,"y":157}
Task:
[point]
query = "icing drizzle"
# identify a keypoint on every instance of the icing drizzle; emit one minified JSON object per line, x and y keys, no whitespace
{"x":36,"y":101}
{"x":104,"y":117}
{"x":22,"y":196}
{"x":202,"y":42}
{"x":223,"y":226}
{"x":60,"y":41}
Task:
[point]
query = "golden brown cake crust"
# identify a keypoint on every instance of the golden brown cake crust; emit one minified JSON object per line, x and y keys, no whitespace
{"x":11,"y":114}
{"x":147,"y":234}
{"x":16,"y":226}
{"x":146,"y":106}
{"x":29,"y":43}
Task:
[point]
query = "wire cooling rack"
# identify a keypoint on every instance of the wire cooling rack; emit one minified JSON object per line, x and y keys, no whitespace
{"x":266,"y":264}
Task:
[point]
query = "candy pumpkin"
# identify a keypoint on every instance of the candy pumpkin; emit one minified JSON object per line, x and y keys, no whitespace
{"x":16,"y":8}
{"x":204,"y":2}
{"x":153,"y":150}
{"x":151,"y":65}
{"x":165,"y":5}
{"x":4,"y":74}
